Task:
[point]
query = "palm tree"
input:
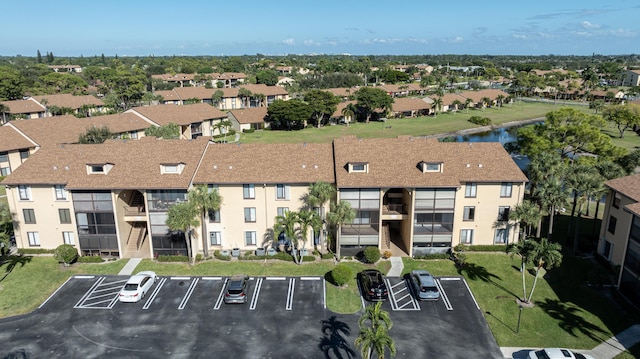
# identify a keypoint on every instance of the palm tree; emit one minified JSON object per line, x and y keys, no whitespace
{"x":437,"y":104}
{"x":486,"y":102}
{"x":523,"y":249}
{"x":467,"y":103}
{"x":349,"y":112}
{"x":544,"y":254}
{"x":205,"y":200}
{"x":319,"y":194}
{"x":183,"y":217}
{"x":4,"y":109}
{"x":307,"y":219}
{"x":500,"y":100}
{"x":375,"y":315}
{"x":341,"y":213}
{"x":289,"y":225}
{"x":375,"y":340}
{"x":552,"y":195}
{"x":456,"y":105}
{"x":527,"y":213}
{"x":244,"y":95}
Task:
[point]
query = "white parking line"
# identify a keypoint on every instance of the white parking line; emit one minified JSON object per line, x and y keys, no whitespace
{"x":88,"y":293}
{"x":472,"y":296}
{"x":324,"y":294}
{"x":443,"y":294}
{"x":180,"y":278}
{"x":276,"y":278}
{"x":83,"y":277}
{"x":310,"y":278}
{"x":401,"y":294}
{"x":192,"y":286}
{"x":211,"y":278}
{"x":220,"y":296}
{"x":292,"y":282}
{"x":256,"y":293}
{"x":54,"y":293}
{"x":392,"y":298}
{"x":153,"y":295}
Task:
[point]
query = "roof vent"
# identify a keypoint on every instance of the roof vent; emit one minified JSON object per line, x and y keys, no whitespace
{"x":479,"y":165}
{"x":315,"y":166}
{"x":55,"y":168}
{"x":468,"y":165}
{"x":304,"y":166}
{"x":230,"y":167}
{"x":215,"y":167}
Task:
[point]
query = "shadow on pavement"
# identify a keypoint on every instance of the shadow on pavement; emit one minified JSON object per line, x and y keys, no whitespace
{"x":333,"y":343}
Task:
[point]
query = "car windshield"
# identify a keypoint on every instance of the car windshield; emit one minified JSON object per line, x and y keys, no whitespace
{"x":540,"y":354}
{"x":235,"y":291}
{"x":429,"y":289}
{"x":130,"y":286}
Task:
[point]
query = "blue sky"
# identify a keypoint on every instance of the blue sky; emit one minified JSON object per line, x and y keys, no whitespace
{"x":214,"y":27}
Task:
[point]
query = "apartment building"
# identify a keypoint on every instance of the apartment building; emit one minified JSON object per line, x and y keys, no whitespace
{"x":619,"y":241}
{"x":412,"y":196}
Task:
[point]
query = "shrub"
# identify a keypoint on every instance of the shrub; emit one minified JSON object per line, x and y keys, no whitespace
{"x":308,"y":258}
{"x":460,"y":248}
{"x":35,"y":251}
{"x":327,"y":256}
{"x":90,"y":259}
{"x":387,"y":254}
{"x":371,"y":254}
{"x":341,"y":274}
{"x":249,"y":130}
{"x":173,"y":258}
{"x":199,"y":257}
{"x":283,"y":256}
{"x":65,"y":253}
{"x":219,"y":256}
{"x":487,"y":248}
{"x":482,"y":121}
{"x":433,"y":256}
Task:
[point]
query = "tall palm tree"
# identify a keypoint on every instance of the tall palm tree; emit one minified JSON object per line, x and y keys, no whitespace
{"x":437,"y":104}
{"x":500,"y":100}
{"x":523,"y":249}
{"x":544,"y":254}
{"x":527,"y":213}
{"x":289,"y":225}
{"x":376,"y":316}
{"x":456,"y":105}
{"x":244,"y":95}
{"x":307,"y":219}
{"x":375,"y":340}
{"x":467,"y":103}
{"x":205,"y":200}
{"x":341,"y":213}
{"x":349,"y":112}
{"x":319,"y":194}
{"x":183,"y":217}
{"x":486,"y":102}
{"x":552,"y":195}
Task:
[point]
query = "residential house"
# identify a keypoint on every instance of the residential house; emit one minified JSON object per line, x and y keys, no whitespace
{"x":179,"y":80}
{"x":248,"y":119}
{"x":228,"y":79}
{"x":261,"y":95}
{"x":195,"y":120}
{"x":631,"y":78}
{"x":619,"y":241}
{"x":15,"y":148}
{"x":416,"y":196}
{"x":66,"y":68}
{"x":343,"y":92}
{"x":85,"y":104}
{"x":477,"y":96}
{"x":410,"y":107}
{"x":29,"y":108}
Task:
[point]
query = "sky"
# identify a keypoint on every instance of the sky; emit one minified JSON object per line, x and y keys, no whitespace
{"x":373,"y":27}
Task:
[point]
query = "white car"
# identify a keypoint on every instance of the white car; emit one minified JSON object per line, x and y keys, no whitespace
{"x":557,"y":353}
{"x":137,"y":286}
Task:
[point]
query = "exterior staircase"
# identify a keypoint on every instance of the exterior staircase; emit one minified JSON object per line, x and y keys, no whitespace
{"x":386,"y":237}
{"x":136,"y":243}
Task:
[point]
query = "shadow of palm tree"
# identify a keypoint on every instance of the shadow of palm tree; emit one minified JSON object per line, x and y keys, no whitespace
{"x":571,"y":320}
{"x":333,"y":343}
{"x":10,"y":262}
{"x":475,"y":272}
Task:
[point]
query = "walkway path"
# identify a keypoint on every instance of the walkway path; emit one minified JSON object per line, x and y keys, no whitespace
{"x":130,"y":266}
{"x":607,"y":350}
{"x":396,"y":267}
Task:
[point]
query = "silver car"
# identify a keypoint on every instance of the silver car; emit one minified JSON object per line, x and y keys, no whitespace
{"x":557,"y":353}
{"x":137,"y":287}
{"x":236,"y":292}
{"x":424,"y":285}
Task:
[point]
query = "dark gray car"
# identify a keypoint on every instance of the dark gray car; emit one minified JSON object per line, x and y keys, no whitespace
{"x":236,"y":292}
{"x":424,"y":285}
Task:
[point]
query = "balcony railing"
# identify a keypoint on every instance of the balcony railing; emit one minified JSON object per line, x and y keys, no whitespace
{"x":394,"y":208}
{"x":134,"y":211}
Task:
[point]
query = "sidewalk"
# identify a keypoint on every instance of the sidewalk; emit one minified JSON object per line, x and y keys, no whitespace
{"x":130,"y":266}
{"x":607,"y":350}
{"x":396,"y":267}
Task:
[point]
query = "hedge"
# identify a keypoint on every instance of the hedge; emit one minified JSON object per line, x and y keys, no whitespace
{"x":433,"y":256}
{"x":90,"y":259}
{"x":172,"y":258}
{"x":371,"y":254}
{"x":35,"y":251}
{"x":219,"y":256}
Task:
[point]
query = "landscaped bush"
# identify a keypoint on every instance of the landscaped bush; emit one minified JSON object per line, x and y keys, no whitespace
{"x":387,"y":254}
{"x":481,"y":121}
{"x":433,"y":256}
{"x":35,"y":251}
{"x":487,"y":248}
{"x":327,"y":256}
{"x":219,"y":256}
{"x":65,"y":253}
{"x":173,"y":259}
{"x":371,"y":254}
{"x":90,"y":259}
{"x":249,"y":130}
{"x":283,"y":256}
{"x":341,"y":274}
{"x":308,"y":259}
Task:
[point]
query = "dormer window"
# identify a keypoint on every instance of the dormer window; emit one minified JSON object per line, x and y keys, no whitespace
{"x":431,"y":166}
{"x":358,"y":167}
{"x":99,"y":168}
{"x":171,"y":168}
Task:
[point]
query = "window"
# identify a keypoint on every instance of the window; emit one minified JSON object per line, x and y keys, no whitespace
{"x":469,"y":213}
{"x":503,"y":213}
{"x":248,"y":191}
{"x":466,"y":236}
{"x":24,"y":154}
{"x":470,"y":190}
{"x":29,"y":216}
{"x":358,"y":167}
{"x":96,"y":169}
{"x":616,"y":200}
{"x":4,"y":157}
{"x":215,"y":238}
{"x":612,"y":224}
{"x":505,"y":189}
{"x":67,"y":237}
{"x":282,"y":191}
{"x":65,"y":215}
{"x":5,"y":171}
{"x":431,"y":167}
{"x":214,"y":216}
{"x":61,"y":193}
{"x":133,"y":135}
{"x":250,"y":238}
{"x":249,"y":214}
{"x":171,"y":168}
{"x":607,"y":250}
{"x":25,"y":192}
{"x":34,"y":239}
{"x":282,"y":211}
{"x":500,"y":236}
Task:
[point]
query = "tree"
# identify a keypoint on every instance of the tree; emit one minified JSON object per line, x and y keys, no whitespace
{"x":375,"y":338}
{"x":623,"y":116}
{"x":584,"y":180}
{"x":341,"y":213}
{"x":183,"y":217}
{"x":523,"y":249}
{"x":500,"y":100}
{"x":267,"y":77}
{"x":206,"y":200}
{"x":437,"y":105}
{"x":307,"y":219}
{"x":456,"y":105}
{"x":322,"y":103}
{"x":289,"y":115}
{"x":527,"y":213}
{"x":170,"y":131}
{"x":124,"y":86}
{"x":217,"y":97}
{"x":65,"y":253}
{"x":318,"y":195}
{"x":369,"y":99}
{"x":596,"y":105}
{"x":375,"y":316}
{"x":467,"y":103}
{"x":552,"y":195}
{"x":349,"y":112}
{"x":544,"y":254}
{"x":96,"y":135}
{"x":245,"y":96}
{"x":289,"y":225}
{"x":12,"y":85}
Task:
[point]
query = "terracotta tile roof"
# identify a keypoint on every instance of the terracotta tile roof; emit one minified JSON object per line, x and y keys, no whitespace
{"x":265,"y":90}
{"x":343,"y":91}
{"x":628,"y":186}
{"x":179,"y":114}
{"x":185,"y":93}
{"x":266,"y":163}
{"x":634,"y":208}
{"x":68,"y":100}
{"x":229,"y":76}
{"x":49,"y":131}
{"x":136,"y":165}
{"x":250,"y":115}
{"x":11,"y":139}
{"x":394,"y":162}
{"x":404,"y":104}
{"x":24,"y":106}
{"x":174,"y":77}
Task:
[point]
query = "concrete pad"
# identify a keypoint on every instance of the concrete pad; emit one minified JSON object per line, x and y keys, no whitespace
{"x":396,"y":267}
{"x":130,"y":266}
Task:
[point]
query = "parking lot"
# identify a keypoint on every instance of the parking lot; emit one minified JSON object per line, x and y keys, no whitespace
{"x":284,"y":317}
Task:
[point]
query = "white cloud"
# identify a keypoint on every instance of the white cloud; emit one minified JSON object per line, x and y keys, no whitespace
{"x":288,"y":42}
{"x":588,"y":25}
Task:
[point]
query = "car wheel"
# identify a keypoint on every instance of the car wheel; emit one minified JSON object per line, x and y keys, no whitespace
{"x":142,"y":296}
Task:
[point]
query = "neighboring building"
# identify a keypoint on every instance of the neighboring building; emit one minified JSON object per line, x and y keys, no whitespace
{"x":29,"y":108}
{"x":86,"y":104}
{"x":249,"y":118}
{"x":619,"y":241}
{"x":412,"y":196}
{"x":15,"y":148}
{"x":631,"y":78}
{"x":66,"y":68}
{"x":179,"y":80}
{"x":410,"y":107}
{"x":261,"y":95}
{"x":195,"y":120}
{"x":418,"y":196}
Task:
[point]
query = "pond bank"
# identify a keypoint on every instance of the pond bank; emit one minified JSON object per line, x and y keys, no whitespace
{"x":474,"y":130}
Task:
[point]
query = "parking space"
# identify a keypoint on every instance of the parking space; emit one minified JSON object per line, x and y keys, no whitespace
{"x":103,"y":294}
{"x":400,"y":295}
